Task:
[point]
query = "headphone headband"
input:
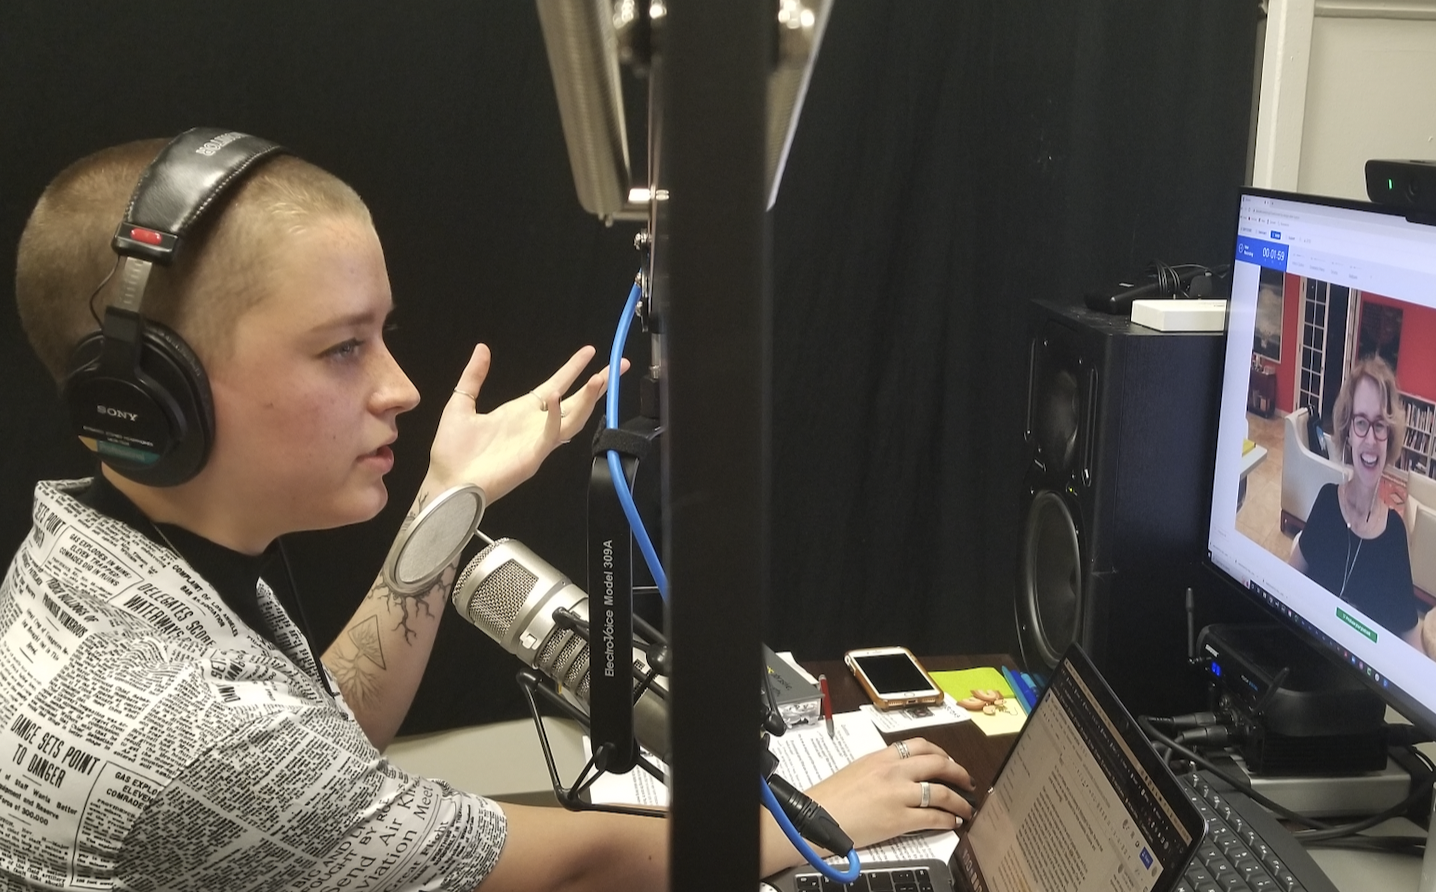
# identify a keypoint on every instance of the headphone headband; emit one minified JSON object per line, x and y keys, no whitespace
{"x":137,"y":394}
{"x":184,"y":180}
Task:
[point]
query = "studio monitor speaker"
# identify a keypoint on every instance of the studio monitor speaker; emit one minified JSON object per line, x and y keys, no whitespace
{"x":1120,"y":435}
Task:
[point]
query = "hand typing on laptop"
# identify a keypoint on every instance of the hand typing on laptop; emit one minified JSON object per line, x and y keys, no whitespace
{"x":909,"y":786}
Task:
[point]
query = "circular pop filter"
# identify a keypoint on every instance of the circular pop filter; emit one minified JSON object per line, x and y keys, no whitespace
{"x":433,"y":539}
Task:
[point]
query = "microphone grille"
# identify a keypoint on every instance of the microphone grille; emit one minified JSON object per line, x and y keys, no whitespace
{"x":564,"y":658}
{"x":496,"y":600}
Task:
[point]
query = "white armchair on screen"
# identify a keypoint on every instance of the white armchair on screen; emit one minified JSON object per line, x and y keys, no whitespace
{"x":1421,"y":530}
{"x":1303,"y":473}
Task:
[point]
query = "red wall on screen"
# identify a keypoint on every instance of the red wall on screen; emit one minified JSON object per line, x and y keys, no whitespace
{"x":1290,"y":344}
{"x":1416,"y":363}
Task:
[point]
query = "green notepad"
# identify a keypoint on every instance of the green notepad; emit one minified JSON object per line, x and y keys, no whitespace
{"x":960,"y":683}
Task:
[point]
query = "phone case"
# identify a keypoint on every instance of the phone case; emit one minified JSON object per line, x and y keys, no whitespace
{"x":884,"y":701}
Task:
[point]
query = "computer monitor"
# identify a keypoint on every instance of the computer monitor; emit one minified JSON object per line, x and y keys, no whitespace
{"x":1313,"y":513}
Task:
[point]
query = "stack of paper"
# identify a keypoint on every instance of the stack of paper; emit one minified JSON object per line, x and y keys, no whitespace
{"x":805,"y":757}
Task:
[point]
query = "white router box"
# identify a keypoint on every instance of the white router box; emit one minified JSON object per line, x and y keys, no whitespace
{"x":1204,"y":314}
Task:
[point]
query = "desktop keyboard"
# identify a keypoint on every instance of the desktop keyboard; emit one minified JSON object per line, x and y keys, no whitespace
{"x":1245,"y":848}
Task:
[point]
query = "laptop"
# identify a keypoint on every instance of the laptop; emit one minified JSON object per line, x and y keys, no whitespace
{"x":1081,"y":804}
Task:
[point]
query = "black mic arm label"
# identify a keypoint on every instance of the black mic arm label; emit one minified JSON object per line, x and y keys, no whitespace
{"x":610,"y":631}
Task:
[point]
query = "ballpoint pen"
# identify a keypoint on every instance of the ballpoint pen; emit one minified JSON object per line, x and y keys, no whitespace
{"x":1018,"y":689}
{"x":1029,"y":687}
{"x":827,"y":703}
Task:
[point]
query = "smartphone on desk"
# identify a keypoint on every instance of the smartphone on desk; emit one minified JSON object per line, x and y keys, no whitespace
{"x":892,"y":677}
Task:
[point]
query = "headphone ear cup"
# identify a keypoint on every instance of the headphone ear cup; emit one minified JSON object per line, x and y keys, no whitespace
{"x":153,"y":420}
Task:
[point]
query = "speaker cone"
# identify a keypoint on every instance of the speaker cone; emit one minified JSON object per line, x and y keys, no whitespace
{"x":1055,"y":404}
{"x":1049,"y":600}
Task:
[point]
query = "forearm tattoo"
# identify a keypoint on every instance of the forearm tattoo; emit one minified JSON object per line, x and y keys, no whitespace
{"x":360,"y":686}
{"x":409,"y":605}
{"x":365,"y":636}
{"x":355,"y":668}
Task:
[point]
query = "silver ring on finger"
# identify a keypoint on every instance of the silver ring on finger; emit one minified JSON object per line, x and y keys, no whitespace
{"x":926,"y":799}
{"x":902,"y":750}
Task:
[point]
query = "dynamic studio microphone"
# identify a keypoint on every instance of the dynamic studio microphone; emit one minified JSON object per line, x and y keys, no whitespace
{"x":512,"y":595}
{"x":516,"y":598}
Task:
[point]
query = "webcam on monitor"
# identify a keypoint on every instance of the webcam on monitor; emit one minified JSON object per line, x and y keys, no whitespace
{"x":1409,"y":185}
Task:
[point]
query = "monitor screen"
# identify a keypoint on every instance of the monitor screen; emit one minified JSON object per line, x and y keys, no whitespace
{"x":1324,"y":496}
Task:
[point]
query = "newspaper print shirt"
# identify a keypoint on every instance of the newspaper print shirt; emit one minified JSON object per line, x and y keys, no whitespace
{"x":149,"y":740}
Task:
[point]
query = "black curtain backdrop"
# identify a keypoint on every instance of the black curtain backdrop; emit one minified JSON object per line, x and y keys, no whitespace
{"x":953,"y":161}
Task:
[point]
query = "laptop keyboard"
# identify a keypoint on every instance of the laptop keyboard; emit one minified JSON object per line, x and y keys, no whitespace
{"x":903,"y":879}
{"x":1245,"y":848}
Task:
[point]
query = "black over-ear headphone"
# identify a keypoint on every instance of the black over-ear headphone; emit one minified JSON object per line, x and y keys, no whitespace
{"x":137,"y":394}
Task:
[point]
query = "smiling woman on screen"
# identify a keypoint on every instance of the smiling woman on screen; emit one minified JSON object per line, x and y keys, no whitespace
{"x":1353,"y":544}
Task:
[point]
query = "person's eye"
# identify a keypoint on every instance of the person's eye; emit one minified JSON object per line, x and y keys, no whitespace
{"x":346,"y":350}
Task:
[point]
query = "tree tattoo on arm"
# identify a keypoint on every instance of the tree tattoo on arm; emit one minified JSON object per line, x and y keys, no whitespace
{"x":360,"y":657}
{"x":360,"y":685}
{"x":358,"y":666}
{"x":410,"y":606}
{"x":366,"y":638}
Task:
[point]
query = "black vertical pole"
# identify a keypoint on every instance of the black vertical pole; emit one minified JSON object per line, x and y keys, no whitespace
{"x":715,"y":58}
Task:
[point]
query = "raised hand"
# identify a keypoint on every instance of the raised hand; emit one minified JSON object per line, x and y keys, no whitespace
{"x":498,"y":450}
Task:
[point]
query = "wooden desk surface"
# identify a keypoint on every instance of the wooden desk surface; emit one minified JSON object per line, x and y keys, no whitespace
{"x":979,"y":754}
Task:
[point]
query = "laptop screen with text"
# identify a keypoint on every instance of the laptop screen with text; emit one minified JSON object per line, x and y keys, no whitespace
{"x":1083,"y":803}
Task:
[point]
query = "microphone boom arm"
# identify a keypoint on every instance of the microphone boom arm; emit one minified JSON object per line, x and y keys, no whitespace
{"x":533,"y":686}
{"x":610,"y":583}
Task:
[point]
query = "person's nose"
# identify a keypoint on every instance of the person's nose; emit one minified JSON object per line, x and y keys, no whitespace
{"x":393,"y":391}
